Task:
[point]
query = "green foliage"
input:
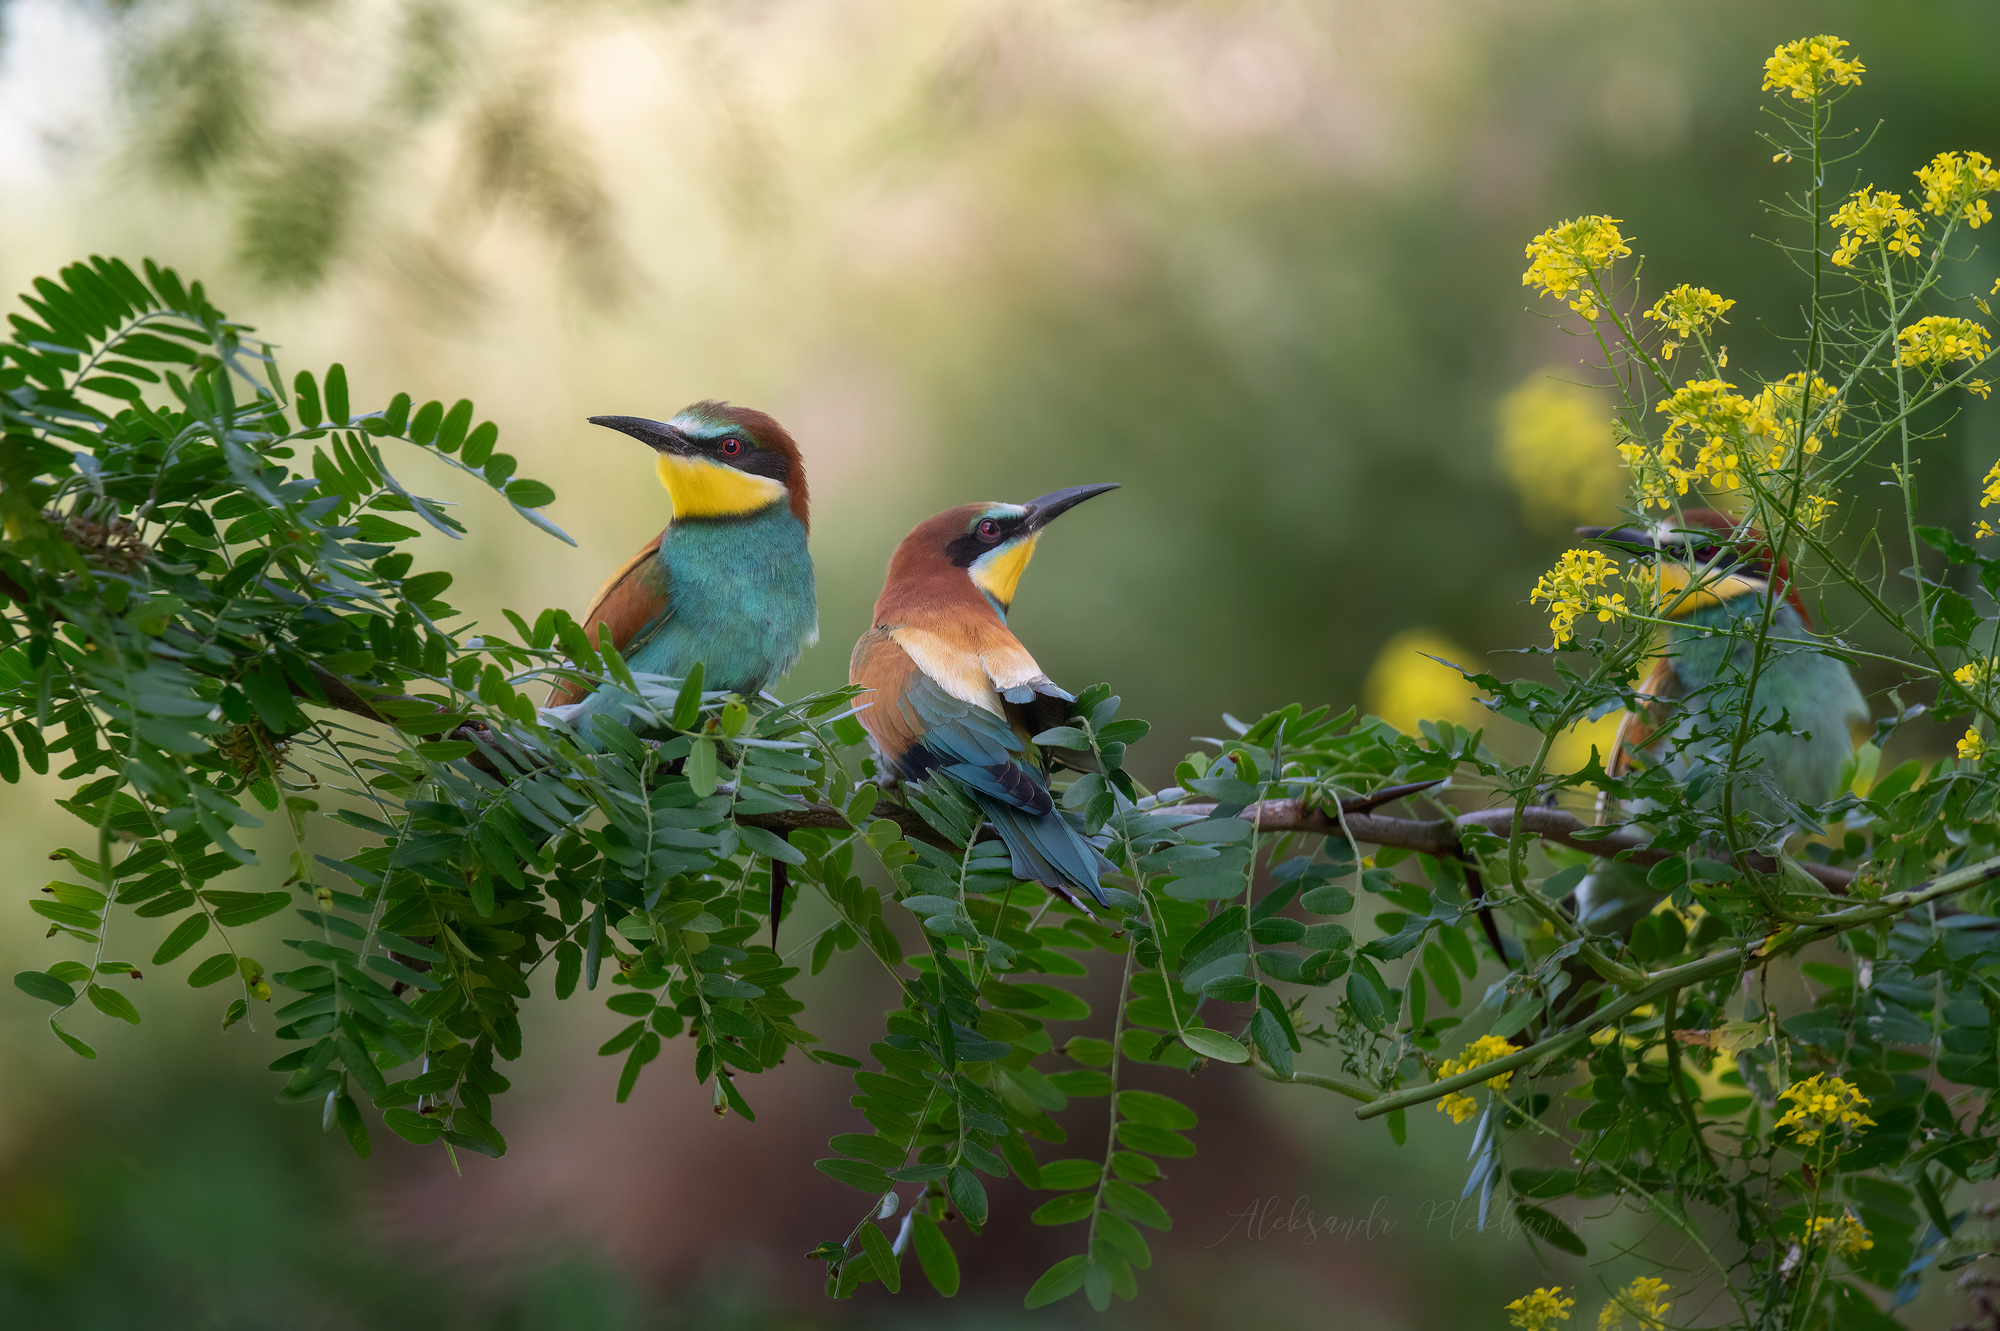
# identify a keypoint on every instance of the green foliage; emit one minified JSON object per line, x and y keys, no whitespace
{"x":209,"y":594}
{"x":192,"y":558}
{"x":202,"y":81}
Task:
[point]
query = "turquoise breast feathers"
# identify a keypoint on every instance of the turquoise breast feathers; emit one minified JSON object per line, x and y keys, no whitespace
{"x":1812,"y":692}
{"x":739,"y":599}
{"x":742,"y":601}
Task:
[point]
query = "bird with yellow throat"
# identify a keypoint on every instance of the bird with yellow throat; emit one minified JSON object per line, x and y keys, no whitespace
{"x":729,"y":583}
{"x":1723,"y":588}
{"x":950,"y":695}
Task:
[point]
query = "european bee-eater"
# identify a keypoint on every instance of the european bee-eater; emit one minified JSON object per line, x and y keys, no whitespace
{"x":1697,"y":692}
{"x":951,"y":694}
{"x":729,"y":583}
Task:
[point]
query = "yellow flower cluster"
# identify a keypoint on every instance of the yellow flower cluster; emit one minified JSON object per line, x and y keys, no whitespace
{"x":1554,"y":446}
{"x":1991,"y":495}
{"x":1959,"y":180}
{"x":1775,"y":423}
{"x":1541,"y":1310}
{"x":1876,"y":216}
{"x":1570,"y":590}
{"x":1688,"y":312}
{"x":1813,"y":509}
{"x":1820,"y":1103}
{"x":1720,"y":415}
{"x":1940,"y":339}
{"x":1406,"y":684}
{"x":1483,"y":1050}
{"x":1810,"y":67}
{"x":1642,"y":1305}
{"x":1971,"y":747}
{"x":1567,"y":255}
{"x":1731,"y":434}
{"x":1845,"y":1233}
{"x":1651,"y":477}
{"x":1976,"y":673}
{"x":1775,"y":412}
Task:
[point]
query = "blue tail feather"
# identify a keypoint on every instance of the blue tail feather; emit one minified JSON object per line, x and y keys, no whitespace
{"x":1047,"y":848}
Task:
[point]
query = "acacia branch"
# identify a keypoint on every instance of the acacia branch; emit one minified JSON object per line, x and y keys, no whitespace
{"x":343,"y":695}
{"x":1353,"y":1090}
{"x":1659,"y":984}
{"x":829,"y":818}
{"x":826,"y":816}
{"x":1442,"y":836}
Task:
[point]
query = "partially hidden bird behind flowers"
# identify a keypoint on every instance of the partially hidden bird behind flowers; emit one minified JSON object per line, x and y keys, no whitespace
{"x":1716,"y":581}
{"x":951,"y":695}
{"x":729,"y":583}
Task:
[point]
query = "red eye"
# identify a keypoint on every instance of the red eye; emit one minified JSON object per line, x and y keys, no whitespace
{"x":731,"y":446}
{"x":989,"y":530}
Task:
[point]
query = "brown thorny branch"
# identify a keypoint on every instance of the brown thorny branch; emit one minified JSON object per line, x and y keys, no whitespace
{"x":1355,"y":819}
{"x":1438,"y":836}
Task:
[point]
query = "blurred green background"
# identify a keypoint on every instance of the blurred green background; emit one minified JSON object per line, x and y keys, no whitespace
{"x":1258,"y":261}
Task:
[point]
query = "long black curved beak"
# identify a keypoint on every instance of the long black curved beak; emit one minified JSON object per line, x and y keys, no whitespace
{"x":657,"y":435}
{"x":1043,"y":511}
{"x":1632,"y":539}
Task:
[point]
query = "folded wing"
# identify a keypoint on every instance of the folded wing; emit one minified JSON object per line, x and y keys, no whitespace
{"x":631,"y":605}
{"x":930,"y":729}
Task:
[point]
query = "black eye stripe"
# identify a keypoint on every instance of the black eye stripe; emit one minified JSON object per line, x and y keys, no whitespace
{"x":748,"y":457}
{"x":966,"y":549}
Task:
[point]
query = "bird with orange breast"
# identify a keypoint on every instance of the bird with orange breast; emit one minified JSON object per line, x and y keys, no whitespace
{"x":951,"y":695}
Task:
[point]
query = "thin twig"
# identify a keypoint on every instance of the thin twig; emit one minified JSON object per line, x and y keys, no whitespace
{"x":1675,"y":978}
{"x":1441,"y":836}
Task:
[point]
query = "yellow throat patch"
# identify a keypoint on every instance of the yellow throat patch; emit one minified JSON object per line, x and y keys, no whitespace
{"x":703,"y":489}
{"x":998,"y":572}
{"x":1714,"y":591}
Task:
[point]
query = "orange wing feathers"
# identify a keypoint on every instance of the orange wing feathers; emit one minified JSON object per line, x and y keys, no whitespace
{"x":1635,"y":729}
{"x":885,"y":669}
{"x":630,"y":599}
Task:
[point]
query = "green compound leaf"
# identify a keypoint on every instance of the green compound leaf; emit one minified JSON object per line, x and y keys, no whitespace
{"x":934,"y":1254}
{"x":1058,"y":1282}
{"x":855,"y":1174}
{"x":1126,"y":1200}
{"x":75,"y":1044}
{"x":1159,"y":1110}
{"x":1550,"y":1228}
{"x":888,"y":1266}
{"x":113,"y":1004}
{"x":185,"y":935}
{"x":218,"y":967}
{"x":770,"y":845}
{"x":1154,"y":1141}
{"x":969,"y":1195}
{"x":701,"y":768}
{"x":1064,"y":1210}
{"x":412,"y":1126}
{"x":1215,"y":1045}
{"x":42,"y":985}
{"x":1065,"y":1175}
